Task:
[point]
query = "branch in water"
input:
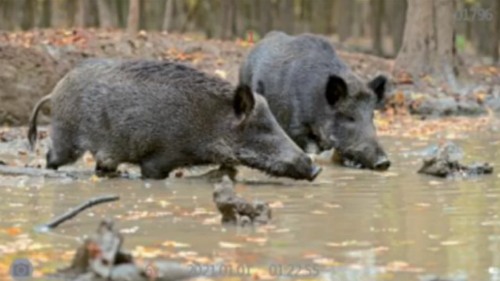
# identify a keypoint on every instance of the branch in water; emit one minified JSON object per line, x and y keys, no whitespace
{"x":75,"y":211}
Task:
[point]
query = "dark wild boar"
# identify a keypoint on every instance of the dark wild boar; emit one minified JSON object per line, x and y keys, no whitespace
{"x":161,"y":116}
{"x":316,"y":97}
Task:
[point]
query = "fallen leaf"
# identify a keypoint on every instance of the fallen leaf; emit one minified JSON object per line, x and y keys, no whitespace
{"x":13,"y":231}
{"x":451,"y":243}
{"x":276,"y":204}
{"x":258,"y":240}
{"x":175,"y":244}
{"x":228,"y":245}
{"x":325,"y":261}
{"x":318,"y":212}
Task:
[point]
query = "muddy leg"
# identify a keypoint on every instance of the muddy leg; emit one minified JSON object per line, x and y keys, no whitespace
{"x":105,"y":166}
{"x":155,"y":169}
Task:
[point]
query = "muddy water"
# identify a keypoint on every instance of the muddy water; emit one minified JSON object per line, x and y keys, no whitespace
{"x":353,"y":225}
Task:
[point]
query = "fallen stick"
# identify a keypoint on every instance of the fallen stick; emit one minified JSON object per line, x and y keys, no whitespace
{"x":33,"y":172}
{"x":75,"y":211}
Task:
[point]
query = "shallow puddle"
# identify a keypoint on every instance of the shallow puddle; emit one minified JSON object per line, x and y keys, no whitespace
{"x":349,"y":224}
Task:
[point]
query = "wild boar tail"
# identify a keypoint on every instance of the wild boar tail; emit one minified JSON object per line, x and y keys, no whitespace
{"x":32,"y":132}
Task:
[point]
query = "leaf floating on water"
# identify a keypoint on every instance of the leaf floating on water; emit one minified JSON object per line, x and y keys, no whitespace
{"x":325,"y":261}
{"x":187,"y":254}
{"x":212,"y":221}
{"x":228,"y":245}
{"x":276,"y":204}
{"x":282,"y":230}
{"x":175,"y":244}
{"x":397,"y":265}
{"x":332,"y":206}
{"x":311,"y":255}
{"x":318,"y":212}
{"x":423,"y":205}
{"x":435,"y":183}
{"x":147,"y":253}
{"x":350,"y":243}
{"x":402,"y":266}
{"x":164,"y":203}
{"x":129,"y":230}
{"x":451,"y":243}
{"x":13,"y":231}
{"x":257,"y":240}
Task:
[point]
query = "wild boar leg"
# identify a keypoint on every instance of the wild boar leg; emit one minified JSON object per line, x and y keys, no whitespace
{"x":156,"y":167}
{"x":105,"y":165}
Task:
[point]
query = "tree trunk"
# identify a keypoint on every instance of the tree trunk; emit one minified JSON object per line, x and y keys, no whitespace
{"x":10,"y":12}
{"x":82,"y":8}
{"x":168,"y":15}
{"x":227,"y":17}
{"x":28,"y":18}
{"x":58,"y":14}
{"x":286,"y":16}
{"x":495,"y":31}
{"x":377,"y":12}
{"x":44,"y":19}
{"x":398,"y":19}
{"x":265,"y":11}
{"x":429,"y":40}
{"x":133,"y":17}
{"x":180,"y":14}
{"x":319,"y":19}
{"x":106,"y":17}
{"x":344,"y":14}
{"x":481,"y":27}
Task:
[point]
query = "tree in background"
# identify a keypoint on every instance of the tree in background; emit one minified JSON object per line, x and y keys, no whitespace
{"x":133,"y":17}
{"x":371,"y":26}
{"x":429,"y":40}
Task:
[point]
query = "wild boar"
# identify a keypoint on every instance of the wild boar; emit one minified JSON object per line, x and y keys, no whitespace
{"x":316,"y":97}
{"x":161,"y":116}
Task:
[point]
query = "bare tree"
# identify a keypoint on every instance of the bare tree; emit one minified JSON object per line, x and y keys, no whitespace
{"x":495,"y":27}
{"x":133,"y":17}
{"x":319,"y":18}
{"x":428,"y":43}
{"x":286,"y":15}
{"x":397,"y":11}
{"x":265,"y":12}
{"x":168,"y":15}
{"x":28,"y":18}
{"x":344,"y":14}
{"x":106,"y":18}
{"x":81,"y":14}
{"x":377,"y":15}
{"x":58,"y":14}
{"x":228,"y":20}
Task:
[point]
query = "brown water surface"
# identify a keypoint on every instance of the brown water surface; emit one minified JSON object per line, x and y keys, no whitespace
{"x":351,"y":224}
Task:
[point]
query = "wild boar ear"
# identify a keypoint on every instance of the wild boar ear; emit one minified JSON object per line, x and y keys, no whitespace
{"x":244,"y":100}
{"x":336,"y":88}
{"x":378,"y":85}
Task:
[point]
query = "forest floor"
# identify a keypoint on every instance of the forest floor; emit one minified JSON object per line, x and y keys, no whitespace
{"x":32,"y":62}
